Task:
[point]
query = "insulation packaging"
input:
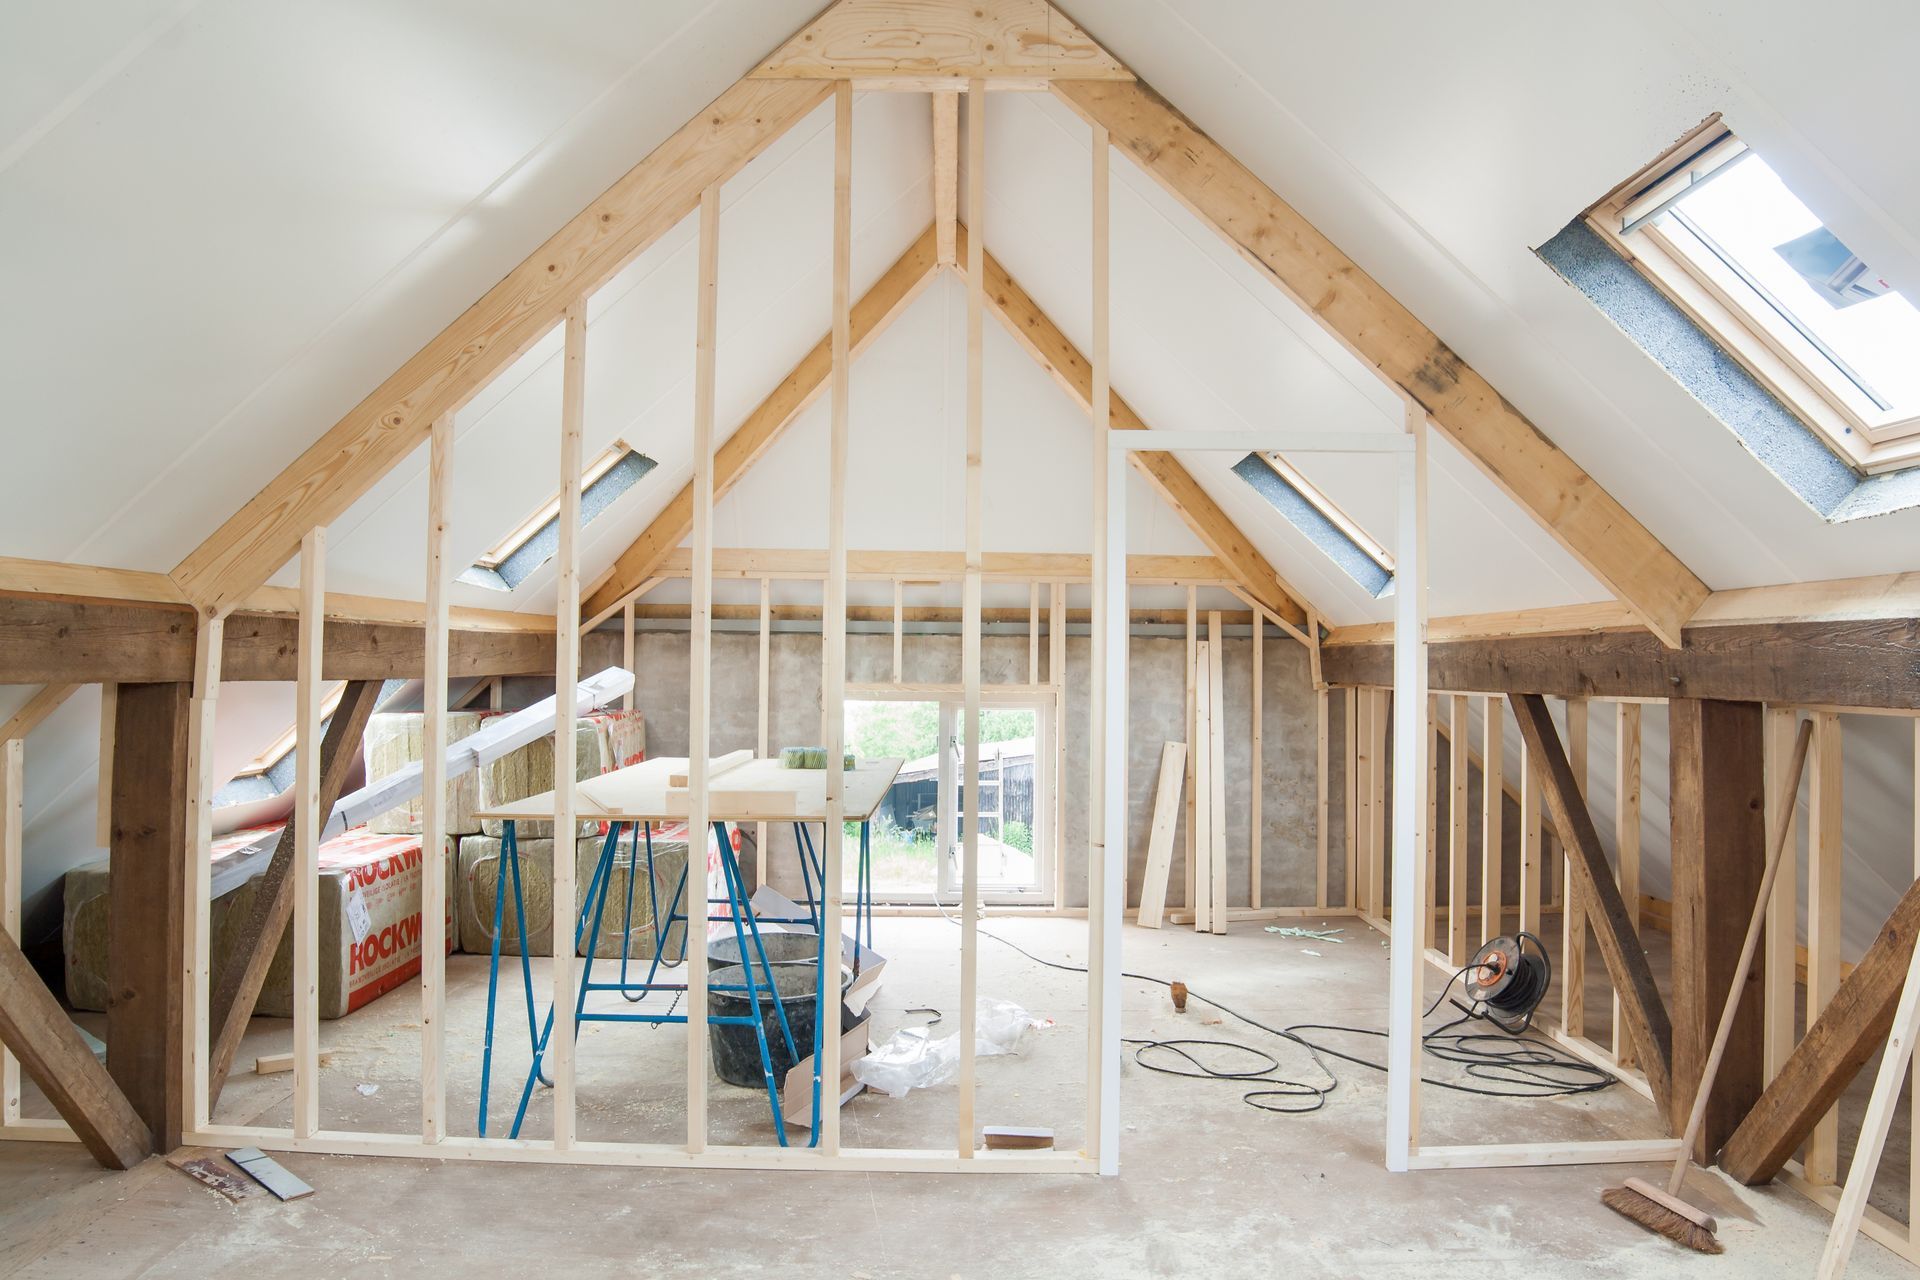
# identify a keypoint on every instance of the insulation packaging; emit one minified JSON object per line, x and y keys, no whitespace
{"x":394,"y":740}
{"x":479,"y":877}
{"x":369,"y":911}
{"x":605,"y":741}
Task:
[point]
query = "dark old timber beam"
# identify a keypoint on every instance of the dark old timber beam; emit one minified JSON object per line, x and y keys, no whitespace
{"x":1849,"y":1031}
{"x":58,"y":640}
{"x":1857,"y":663}
{"x":1641,"y":1007}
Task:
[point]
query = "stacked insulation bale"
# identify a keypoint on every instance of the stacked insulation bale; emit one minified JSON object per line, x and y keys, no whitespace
{"x":369,"y":910}
{"x":604,"y":741}
{"x":393,"y":741}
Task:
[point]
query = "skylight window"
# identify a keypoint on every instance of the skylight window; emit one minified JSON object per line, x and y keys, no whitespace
{"x":535,"y":540}
{"x":1721,"y":234}
{"x":1361,"y":556}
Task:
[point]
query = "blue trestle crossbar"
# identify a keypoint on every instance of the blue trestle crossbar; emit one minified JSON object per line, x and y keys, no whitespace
{"x":734,"y":908}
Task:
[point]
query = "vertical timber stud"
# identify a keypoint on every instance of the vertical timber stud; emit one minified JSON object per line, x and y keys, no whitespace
{"x":970,"y":610}
{"x":627,"y":656}
{"x":1056,"y":776}
{"x":1458,"y":765}
{"x":700,"y":667}
{"x":566,"y":742}
{"x":1493,"y":799}
{"x":1717,"y":792}
{"x":1410,"y":743}
{"x":1106,"y":880}
{"x":433,"y":790}
{"x":1532,"y":861}
{"x":1824,"y":882}
{"x":1626,"y":836}
{"x":1190,"y":849}
{"x":13,"y":780}
{"x":196,"y":911}
{"x":306,"y":836}
{"x":103,"y":793}
{"x":1573,"y":910}
{"x":766,"y":702}
{"x":1783,"y":911}
{"x":1383,"y":716}
{"x":833,"y":622}
{"x":1350,"y":754}
{"x":147,"y":998}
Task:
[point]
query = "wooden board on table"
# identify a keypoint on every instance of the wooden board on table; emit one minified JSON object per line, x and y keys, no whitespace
{"x":757,"y":790}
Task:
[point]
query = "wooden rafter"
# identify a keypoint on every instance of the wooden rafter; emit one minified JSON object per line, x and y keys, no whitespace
{"x":1593,"y":527}
{"x":390,"y":423}
{"x":1043,"y":340}
{"x":877,"y":309}
{"x":914,"y":43}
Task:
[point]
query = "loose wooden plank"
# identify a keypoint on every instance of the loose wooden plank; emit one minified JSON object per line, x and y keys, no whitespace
{"x":243,"y":970}
{"x":1166,"y":814}
{"x":804,"y":383}
{"x":1645,"y":1012}
{"x":1353,"y":307}
{"x":146,"y":976}
{"x":343,"y":464}
{"x":1839,"y":1042}
{"x":1042,"y":339}
{"x":949,"y":41}
{"x":1717,"y":794}
{"x":37,"y":1030}
{"x":1866,"y":663}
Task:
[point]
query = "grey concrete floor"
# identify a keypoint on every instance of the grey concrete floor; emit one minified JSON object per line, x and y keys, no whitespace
{"x":1209,"y":1186}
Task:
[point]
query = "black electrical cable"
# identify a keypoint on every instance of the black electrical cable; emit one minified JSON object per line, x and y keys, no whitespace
{"x":1533,"y":1068}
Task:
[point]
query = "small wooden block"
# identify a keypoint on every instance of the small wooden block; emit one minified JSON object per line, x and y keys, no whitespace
{"x":1010,"y":1137}
{"x":268,"y":1064}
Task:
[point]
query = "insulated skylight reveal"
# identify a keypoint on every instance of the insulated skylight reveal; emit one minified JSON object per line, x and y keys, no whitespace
{"x":1361,"y":556}
{"x":534,"y":540}
{"x":1719,"y":231}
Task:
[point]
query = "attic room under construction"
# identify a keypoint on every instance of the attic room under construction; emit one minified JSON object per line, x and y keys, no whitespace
{"x":1289,"y":636}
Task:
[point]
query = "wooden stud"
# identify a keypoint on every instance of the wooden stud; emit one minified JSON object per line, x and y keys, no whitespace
{"x":1532,"y":854}
{"x":970,"y":623}
{"x":1057,"y":679}
{"x":1626,"y":829}
{"x":1783,"y":911}
{"x":1350,"y":739}
{"x":1458,"y":945}
{"x":899,"y":634}
{"x":834,"y":631}
{"x":1573,"y":918}
{"x":13,"y":800}
{"x":1493,"y":811}
{"x":761,"y":746}
{"x":1376,"y":876}
{"x":433,"y":789}
{"x":946,"y":176}
{"x":103,"y":790}
{"x":209,"y":665}
{"x":1200,"y":804}
{"x":1108,"y":845}
{"x":1166,"y":812}
{"x":1216,"y":748}
{"x":1259,"y":773}
{"x":1190,"y":858}
{"x":1824,"y":882}
{"x":1033,"y":633}
{"x":306,"y":837}
{"x":628,"y":654}
{"x":700,"y":667}
{"x":1626,"y":960}
{"x":1595,"y":528}
{"x":566,"y":615}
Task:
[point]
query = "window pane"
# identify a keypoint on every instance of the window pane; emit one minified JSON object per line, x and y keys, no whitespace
{"x":1872,"y":334}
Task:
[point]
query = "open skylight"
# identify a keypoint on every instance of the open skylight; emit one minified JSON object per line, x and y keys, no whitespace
{"x":1361,"y":556}
{"x":535,"y":540}
{"x":1721,"y":234}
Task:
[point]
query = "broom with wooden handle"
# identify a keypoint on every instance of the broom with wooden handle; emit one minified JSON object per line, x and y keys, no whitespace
{"x":1662,"y":1210}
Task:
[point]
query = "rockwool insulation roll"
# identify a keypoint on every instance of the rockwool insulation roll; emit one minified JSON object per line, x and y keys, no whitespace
{"x":604,"y":741}
{"x":369,"y":911}
{"x":479,"y":874}
{"x":393,"y":740}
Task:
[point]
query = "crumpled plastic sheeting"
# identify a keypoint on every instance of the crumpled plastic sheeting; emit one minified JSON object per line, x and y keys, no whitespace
{"x":1318,"y":935}
{"x":912,"y":1059}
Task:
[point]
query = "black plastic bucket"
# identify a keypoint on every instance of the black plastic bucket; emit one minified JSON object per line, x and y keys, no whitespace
{"x":781,"y":948}
{"x":736,"y":1053}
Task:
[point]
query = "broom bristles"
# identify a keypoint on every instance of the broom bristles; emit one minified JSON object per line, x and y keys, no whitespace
{"x":1661,"y":1220}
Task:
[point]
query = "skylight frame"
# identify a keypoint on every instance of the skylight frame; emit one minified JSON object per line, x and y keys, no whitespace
{"x":1738,"y":313}
{"x":549,"y":511}
{"x":1372,"y":547}
{"x":276,"y":750}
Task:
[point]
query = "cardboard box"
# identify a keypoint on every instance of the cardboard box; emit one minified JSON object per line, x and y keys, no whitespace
{"x":369,"y":912}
